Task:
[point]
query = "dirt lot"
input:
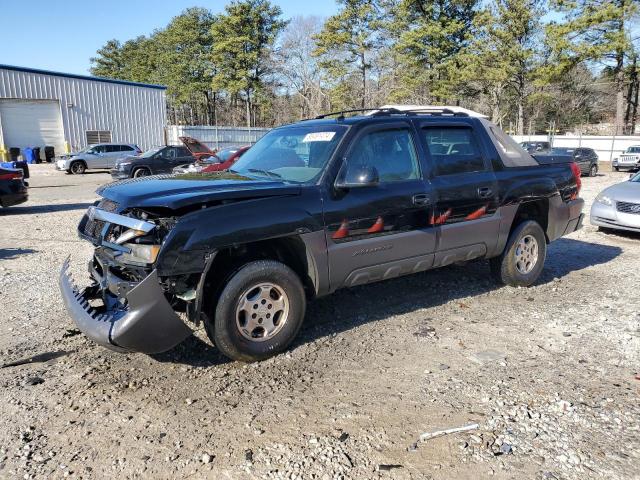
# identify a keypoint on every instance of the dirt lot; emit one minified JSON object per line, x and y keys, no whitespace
{"x":548,"y":372}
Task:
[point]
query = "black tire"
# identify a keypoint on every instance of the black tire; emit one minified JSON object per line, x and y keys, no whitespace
{"x":225,"y":331}
{"x":617,"y":169}
{"x":141,"y":172}
{"x":77,"y":168}
{"x":593,"y":170}
{"x":506,"y":270}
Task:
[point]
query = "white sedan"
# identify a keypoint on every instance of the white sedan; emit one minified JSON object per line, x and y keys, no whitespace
{"x":618,"y":206}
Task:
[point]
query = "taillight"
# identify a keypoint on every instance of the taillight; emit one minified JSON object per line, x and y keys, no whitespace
{"x":578,"y":176}
{"x":11,"y":176}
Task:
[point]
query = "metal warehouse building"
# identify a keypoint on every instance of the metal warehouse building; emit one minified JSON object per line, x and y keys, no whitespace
{"x":40,"y":108}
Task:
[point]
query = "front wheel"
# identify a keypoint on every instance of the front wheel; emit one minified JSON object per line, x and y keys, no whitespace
{"x":523,"y":258}
{"x":259,"y":312}
{"x":141,"y":172}
{"x":617,"y":169}
{"x":593,"y":170}
{"x":77,"y":168}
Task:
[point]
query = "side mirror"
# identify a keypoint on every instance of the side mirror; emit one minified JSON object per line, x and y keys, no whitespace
{"x":358,"y":176}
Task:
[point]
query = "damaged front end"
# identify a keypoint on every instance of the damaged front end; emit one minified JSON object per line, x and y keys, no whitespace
{"x":127,"y":307}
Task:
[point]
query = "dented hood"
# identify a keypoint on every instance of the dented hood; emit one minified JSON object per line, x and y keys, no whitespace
{"x":178,"y":191}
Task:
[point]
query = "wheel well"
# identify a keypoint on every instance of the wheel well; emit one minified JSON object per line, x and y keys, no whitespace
{"x":289,"y":250}
{"x":537,"y":210}
{"x":79,"y":161}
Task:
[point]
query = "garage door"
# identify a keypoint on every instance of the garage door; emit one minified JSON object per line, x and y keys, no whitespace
{"x":31,"y":123}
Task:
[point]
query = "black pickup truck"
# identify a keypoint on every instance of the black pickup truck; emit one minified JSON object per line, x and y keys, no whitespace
{"x":314,"y":206}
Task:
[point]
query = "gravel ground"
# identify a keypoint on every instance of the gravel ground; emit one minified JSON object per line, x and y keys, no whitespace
{"x":549,"y":373}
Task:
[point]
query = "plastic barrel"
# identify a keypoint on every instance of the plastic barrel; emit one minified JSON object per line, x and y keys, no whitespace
{"x":49,"y":153}
{"x":13,"y":153}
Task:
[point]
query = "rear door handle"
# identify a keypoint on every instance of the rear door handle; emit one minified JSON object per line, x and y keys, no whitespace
{"x":421,"y":199}
{"x":485,"y":192}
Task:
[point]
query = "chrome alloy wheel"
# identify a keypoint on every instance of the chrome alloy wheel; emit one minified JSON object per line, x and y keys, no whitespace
{"x":526,"y":254}
{"x":262,"y":311}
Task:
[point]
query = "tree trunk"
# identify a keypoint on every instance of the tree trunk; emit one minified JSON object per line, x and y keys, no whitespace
{"x":248,"y":110}
{"x":632,"y":99}
{"x":619,"y":81}
{"x":364,"y":79}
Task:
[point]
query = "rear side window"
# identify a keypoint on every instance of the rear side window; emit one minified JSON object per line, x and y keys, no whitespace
{"x":113,"y":148}
{"x":126,"y":148}
{"x":453,"y":150}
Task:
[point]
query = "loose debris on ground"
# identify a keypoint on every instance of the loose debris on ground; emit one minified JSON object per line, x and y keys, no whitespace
{"x":549,"y":374}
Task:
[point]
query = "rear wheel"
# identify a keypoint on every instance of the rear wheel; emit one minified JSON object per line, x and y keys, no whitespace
{"x":141,"y":172}
{"x":523,"y":258}
{"x":77,"y":168}
{"x":593,"y":171}
{"x":259,"y":312}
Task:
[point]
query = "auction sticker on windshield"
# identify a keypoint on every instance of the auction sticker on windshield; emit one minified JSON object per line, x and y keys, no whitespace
{"x":318,"y":137}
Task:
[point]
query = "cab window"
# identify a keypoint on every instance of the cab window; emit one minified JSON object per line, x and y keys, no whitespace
{"x":391,"y":152}
{"x":453,"y":150}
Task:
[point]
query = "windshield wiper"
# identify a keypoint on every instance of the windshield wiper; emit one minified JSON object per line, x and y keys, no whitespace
{"x":268,"y":173}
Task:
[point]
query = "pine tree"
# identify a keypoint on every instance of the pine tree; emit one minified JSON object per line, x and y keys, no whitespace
{"x":432,"y":41}
{"x":243,"y":38}
{"x":596,"y":31}
{"x":344,"y":47}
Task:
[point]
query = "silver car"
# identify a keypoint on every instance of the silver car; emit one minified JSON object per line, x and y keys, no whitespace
{"x":618,"y":206}
{"x":100,"y":156}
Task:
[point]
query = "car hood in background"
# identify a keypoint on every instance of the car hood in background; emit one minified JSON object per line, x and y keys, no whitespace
{"x":177,"y":191}
{"x":625,"y":192}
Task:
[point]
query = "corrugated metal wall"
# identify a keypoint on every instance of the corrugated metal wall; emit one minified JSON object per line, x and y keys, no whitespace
{"x":133,"y":114}
{"x":216,"y":137}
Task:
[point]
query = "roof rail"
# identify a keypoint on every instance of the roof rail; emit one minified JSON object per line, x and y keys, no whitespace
{"x":375,"y":111}
{"x":393,"y":110}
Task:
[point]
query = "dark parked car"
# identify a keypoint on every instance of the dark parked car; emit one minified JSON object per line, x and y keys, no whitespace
{"x":585,"y":158}
{"x":152,"y":162}
{"x":13,"y":187}
{"x":312,"y":207}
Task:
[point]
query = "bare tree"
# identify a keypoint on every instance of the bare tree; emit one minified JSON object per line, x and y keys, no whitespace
{"x":296,"y":67}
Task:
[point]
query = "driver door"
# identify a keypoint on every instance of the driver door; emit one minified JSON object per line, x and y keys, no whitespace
{"x":381,"y":230}
{"x":95,"y":158}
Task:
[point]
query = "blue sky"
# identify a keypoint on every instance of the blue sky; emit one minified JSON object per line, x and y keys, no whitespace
{"x":62,"y":35}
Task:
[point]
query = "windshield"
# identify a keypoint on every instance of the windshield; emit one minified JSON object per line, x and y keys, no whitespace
{"x":151,"y":152}
{"x":225,"y":153}
{"x":294,"y":154}
{"x":633,"y":150}
{"x":635,"y":178}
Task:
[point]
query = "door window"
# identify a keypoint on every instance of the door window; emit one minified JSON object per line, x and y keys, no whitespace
{"x":391,"y":152}
{"x":100,"y":149}
{"x":169,"y":153}
{"x":112,"y":148}
{"x":453,"y":150}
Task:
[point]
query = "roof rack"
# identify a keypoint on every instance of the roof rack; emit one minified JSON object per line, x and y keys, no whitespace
{"x":392,"y":110}
{"x":376,"y":111}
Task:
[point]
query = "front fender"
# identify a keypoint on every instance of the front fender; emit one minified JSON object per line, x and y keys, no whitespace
{"x":198,"y":233}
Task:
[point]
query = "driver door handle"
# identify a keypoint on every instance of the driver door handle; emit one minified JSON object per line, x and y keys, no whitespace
{"x":485,"y":192}
{"x":421,"y":199}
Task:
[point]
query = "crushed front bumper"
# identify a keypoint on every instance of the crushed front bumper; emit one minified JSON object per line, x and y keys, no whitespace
{"x":147,"y":324}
